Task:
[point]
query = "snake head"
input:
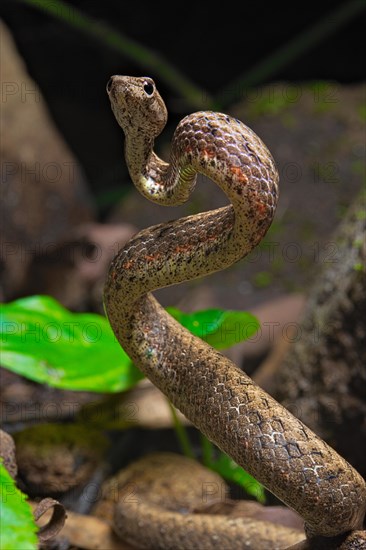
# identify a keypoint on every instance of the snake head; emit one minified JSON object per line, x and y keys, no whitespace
{"x":137,"y":105}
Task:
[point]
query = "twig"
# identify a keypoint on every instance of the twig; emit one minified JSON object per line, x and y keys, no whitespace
{"x":129,"y":48}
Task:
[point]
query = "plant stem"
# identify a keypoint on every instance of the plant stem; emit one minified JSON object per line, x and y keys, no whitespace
{"x":207,"y":451}
{"x":147,"y":59}
{"x":181,"y":433}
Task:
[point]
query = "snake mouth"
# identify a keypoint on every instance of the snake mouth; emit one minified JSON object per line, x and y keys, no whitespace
{"x":114,"y":85}
{"x":117,"y":92}
{"x":109,"y":85}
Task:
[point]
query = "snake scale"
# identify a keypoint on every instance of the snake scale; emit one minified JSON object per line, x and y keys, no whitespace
{"x":219,"y":398}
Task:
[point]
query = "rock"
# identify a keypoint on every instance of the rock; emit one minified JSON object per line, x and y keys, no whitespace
{"x":7,"y":453}
{"x":54,"y":458}
{"x":74,"y":271}
{"x":44,"y":192}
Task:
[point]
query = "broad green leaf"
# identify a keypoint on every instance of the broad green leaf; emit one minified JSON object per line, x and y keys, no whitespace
{"x":219,"y":328}
{"x":18,"y":529}
{"x":45,"y":342}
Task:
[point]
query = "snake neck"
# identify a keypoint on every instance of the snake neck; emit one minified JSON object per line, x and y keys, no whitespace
{"x":140,"y":159}
{"x":164,"y":183}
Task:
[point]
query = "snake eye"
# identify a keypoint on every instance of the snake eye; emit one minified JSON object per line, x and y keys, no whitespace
{"x":148,"y":88}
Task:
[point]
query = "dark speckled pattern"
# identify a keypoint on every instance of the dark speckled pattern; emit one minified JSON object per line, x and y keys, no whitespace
{"x":221,"y":400}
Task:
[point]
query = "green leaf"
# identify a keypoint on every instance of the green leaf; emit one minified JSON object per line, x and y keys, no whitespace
{"x":45,"y":342}
{"x":18,"y":529}
{"x":219,"y":328}
{"x":231,"y":471}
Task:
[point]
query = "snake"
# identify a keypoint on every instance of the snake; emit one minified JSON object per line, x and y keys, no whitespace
{"x":220,"y":399}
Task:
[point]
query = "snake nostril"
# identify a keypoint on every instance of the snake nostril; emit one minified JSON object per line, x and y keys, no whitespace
{"x":109,"y":85}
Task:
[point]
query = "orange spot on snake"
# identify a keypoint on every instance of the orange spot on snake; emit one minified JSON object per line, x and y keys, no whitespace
{"x":239,"y":174}
{"x":209,"y":153}
{"x":182,"y":248}
{"x":261,"y":208}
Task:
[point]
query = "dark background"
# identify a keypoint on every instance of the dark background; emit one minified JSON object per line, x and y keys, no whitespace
{"x":210,"y":45}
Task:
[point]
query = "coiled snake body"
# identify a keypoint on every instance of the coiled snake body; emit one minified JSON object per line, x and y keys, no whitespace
{"x":221,"y":400}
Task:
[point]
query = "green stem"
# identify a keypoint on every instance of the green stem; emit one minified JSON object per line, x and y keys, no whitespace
{"x":144,"y":57}
{"x":281,"y":57}
{"x":181,"y":433}
{"x":207,"y":451}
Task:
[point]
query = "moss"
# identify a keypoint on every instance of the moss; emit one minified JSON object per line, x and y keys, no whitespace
{"x":48,"y":436}
{"x":273,"y":101}
{"x":262,"y":279}
{"x":325,"y":96}
{"x":362,"y":112}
